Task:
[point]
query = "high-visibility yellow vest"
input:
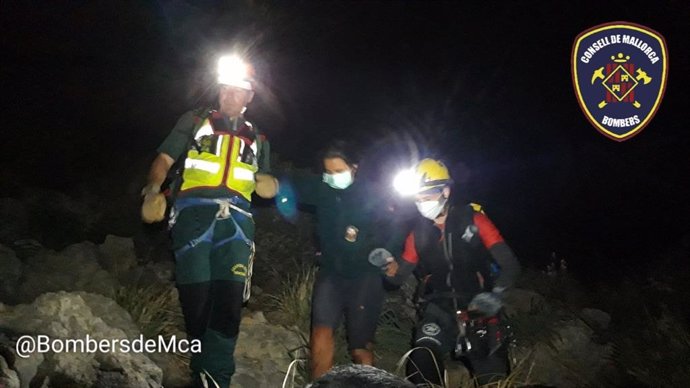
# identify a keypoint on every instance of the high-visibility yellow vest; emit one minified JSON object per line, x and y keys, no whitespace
{"x":222,"y":157}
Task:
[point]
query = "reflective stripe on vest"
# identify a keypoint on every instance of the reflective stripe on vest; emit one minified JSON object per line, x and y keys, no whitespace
{"x":216,"y":160}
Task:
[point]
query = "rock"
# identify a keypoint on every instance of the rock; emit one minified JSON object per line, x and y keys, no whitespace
{"x":142,"y":277}
{"x":8,"y":377}
{"x":8,"y":373}
{"x":517,"y":300}
{"x":75,"y":315}
{"x":76,"y":268}
{"x":253,"y":318}
{"x":164,"y":270}
{"x":27,"y":368}
{"x":176,"y":372}
{"x":256,"y":290}
{"x":117,"y":255}
{"x":263,"y":352}
{"x":10,"y":273}
{"x":359,"y":376}
{"x":27,"y":248}
{"x":596,"y":318}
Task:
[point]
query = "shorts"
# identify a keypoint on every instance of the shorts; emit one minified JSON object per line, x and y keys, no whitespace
{"x":358,"y":299}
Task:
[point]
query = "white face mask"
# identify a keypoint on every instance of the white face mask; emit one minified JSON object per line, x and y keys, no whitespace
{"x":341,"y":180}
{"x":431,"y":209}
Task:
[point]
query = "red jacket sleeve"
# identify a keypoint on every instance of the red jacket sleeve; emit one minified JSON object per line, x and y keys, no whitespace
{"x":487,"y":230}
{"x":410,"y":251}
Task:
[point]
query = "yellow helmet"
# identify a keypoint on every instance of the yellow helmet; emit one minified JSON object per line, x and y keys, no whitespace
{"x":433,"y":175}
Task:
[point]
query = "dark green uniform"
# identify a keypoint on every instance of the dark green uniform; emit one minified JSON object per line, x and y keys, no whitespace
{"x":212,"y":236}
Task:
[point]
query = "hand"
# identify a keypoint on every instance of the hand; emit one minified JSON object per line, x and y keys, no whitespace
{"x":266,"y":185}
{"x":487,"y":303}
{"x":150,"y":189}
{"x":392,"y":268}
{"x":153,"y":208}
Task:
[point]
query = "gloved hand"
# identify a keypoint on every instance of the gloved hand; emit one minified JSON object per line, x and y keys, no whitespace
{"x":286,"y":202}
{"x":266,"y":185}
{"x":487,"y":303}
{"x":383,"y":259}
{"x":153,"y":208}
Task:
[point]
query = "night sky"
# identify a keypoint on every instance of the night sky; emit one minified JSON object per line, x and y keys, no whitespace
{"x":91,"y":88}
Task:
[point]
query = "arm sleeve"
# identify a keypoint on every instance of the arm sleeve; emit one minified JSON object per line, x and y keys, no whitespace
{"x":265,"y":155}
{"x":304,"y":187}
{"x":510,"y":266}
{"x":399,"y":229}
{"x":499,"y":250}
{"x":410,"y":251}
{"x":488,"y":232}
{"x":178,"y":139}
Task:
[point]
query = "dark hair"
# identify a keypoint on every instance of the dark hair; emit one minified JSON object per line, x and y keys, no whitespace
{"x":343,"y":150}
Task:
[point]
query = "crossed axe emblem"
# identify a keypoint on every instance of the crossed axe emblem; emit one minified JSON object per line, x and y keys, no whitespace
{"x":641,"y":76}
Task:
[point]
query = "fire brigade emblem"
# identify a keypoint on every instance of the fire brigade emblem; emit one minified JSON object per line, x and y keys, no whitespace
{"x":351,"y":233}
{"x":619,"y":72}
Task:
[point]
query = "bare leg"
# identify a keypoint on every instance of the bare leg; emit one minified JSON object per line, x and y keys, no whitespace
{"x":322,"y":349}
{"x":363,"y":356}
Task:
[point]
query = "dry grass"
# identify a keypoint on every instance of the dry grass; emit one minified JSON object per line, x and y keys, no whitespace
{"x":155,"y":309}
{"x":293,"y":300}
{"x":655,"y":354}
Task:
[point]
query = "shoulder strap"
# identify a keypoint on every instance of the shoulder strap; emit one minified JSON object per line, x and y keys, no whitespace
{"x":200,"y":114}
{"x":176,"y":170}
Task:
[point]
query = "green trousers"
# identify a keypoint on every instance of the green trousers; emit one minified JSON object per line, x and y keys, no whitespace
{"x":211,"y":277}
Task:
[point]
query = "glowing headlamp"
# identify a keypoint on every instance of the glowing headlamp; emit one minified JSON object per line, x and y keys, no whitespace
{"x":233,"y":71}
{"x":407,"y":182}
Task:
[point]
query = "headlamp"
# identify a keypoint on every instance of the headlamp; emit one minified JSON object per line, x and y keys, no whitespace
{"x":233,"y":71}
{"x":406,"y":182}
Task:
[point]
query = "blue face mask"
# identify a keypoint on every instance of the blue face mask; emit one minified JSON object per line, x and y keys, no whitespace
{"x":341,"y":180}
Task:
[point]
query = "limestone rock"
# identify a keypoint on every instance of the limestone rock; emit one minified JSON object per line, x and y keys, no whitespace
{"x":117,"y":254}
{"x":263,"y":353}
{"x":8,"y":377}
{"x":75,"y":268}
{"x":75,"y":315}
{"x":27,"y":368}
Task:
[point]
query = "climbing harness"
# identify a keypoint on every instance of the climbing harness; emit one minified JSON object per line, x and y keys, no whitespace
{"x":228,"y":210}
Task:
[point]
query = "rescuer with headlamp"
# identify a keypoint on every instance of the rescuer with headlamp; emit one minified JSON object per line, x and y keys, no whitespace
{"x":222,"y":160}
{"x":463,"y":264}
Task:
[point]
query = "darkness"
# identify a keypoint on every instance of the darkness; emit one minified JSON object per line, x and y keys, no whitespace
{"x":91,"y":88}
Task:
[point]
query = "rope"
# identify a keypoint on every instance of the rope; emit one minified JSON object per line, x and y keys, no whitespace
{"x":406,"y":356}
{"x":293,"y":369}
